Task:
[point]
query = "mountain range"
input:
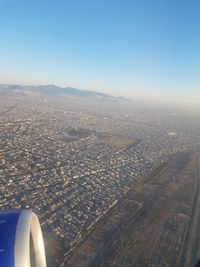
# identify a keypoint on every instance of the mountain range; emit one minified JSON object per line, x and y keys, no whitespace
{"x":53,"y":90}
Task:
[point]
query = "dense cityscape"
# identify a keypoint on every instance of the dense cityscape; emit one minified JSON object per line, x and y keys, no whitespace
{"x":99,"y":133}
{"x":71,"y":159}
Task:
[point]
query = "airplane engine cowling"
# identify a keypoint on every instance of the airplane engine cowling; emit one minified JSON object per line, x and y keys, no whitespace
{"x":16,"y":227}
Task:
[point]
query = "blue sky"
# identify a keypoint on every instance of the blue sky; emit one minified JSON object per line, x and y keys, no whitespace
{"x":136,"y":48}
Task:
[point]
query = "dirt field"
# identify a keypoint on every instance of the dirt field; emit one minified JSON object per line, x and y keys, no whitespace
{"x":118,"y":142}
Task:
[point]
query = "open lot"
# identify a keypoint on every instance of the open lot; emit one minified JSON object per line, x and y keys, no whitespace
{"x":118,"y":142}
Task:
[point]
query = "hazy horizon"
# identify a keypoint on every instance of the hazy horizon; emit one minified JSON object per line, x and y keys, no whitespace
{"x":136,"y":49}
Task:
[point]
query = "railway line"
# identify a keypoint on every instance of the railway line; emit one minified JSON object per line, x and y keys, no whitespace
{"x":190,"y":247}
